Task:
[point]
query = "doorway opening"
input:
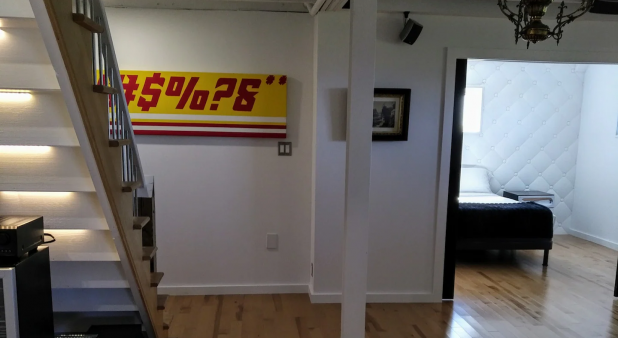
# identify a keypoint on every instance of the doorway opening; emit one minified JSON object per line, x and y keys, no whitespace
{"x":533,"y":159}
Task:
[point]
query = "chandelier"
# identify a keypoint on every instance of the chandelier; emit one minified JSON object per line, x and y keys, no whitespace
{"x":527,"y":20}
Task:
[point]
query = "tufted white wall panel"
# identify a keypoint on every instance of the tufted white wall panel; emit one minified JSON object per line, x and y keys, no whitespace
{"x":530,"y":127}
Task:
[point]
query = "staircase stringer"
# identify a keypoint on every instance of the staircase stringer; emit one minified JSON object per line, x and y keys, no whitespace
{"x":75,"y":102}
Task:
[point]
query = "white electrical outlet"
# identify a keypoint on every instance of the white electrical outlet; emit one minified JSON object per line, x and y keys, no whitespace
{"x":272,"y":241}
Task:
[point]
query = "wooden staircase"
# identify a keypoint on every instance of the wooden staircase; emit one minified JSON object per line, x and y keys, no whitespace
{"x":43,"y":172}
{"x":77,"y":39}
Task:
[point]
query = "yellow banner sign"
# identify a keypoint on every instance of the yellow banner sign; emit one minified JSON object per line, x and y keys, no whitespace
{"x":206,"y":104}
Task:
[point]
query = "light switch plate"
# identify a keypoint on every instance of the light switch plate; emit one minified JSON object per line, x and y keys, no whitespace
{"x":272,"y":241}
{"x":285,"y":148}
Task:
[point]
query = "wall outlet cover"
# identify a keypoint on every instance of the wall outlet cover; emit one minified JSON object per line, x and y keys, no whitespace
{"x":272,"y":241}
{"x":285,"y":148}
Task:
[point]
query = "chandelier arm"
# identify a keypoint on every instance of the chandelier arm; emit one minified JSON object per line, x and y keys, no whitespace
{"x":584,"y":8}
{"x":507,"y":12}
{"x":519,"y":25}
{"x":564,"y":20}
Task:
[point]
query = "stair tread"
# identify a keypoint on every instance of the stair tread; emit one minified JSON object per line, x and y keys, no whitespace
{"x":140,"y":222}
{"x":88,"y":23}
{"x":130,"y":186}
{"x":161,"y":300}
{"x":155,"y":278}
{"x":167,"y":319}
{"x":119,"y":143}
{"x":104,"y":89}
{"x":148,"y":252}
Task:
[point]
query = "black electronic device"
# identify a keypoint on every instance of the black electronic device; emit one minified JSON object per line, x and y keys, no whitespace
{"x":26,"y":305}
{"x":20,"y":235}
{"x":605,"y":7}
{"x":411,"y":30}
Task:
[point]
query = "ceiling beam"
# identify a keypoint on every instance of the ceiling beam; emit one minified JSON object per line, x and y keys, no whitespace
{"x":223,"y":5}
{"x":188,"y":4}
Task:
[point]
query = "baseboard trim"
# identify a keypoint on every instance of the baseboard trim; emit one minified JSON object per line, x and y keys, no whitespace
{"x":375,"y":297}
{"x":317,"y":298}
{"x":593,"y":239}
{"x":191,"y":290}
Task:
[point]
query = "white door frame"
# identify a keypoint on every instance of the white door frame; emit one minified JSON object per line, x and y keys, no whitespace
{"x":447,"y":124}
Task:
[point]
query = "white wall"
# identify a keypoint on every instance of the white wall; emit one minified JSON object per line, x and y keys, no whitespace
{"x":16,"y":9}
{"x":529,"y":128}
{"x":218,"y":197}
{"x":404,"y":174}
{"x":595,"y":213}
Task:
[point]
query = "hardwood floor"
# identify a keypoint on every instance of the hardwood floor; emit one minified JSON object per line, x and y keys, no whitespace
{"x":497,"y":296}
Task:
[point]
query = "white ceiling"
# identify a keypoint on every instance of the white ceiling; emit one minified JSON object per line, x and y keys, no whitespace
{"x":475,"y":8}
{"x":470,"y":8}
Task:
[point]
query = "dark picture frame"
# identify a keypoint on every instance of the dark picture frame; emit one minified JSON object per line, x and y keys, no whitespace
{"x":391,"y":114}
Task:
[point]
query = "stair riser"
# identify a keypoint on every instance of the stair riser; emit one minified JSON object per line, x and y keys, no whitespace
{"x":88,"y":275}
{"x":82,"y":321}
{"x":56,"y":169}
{"x":83,"y":246}
{"x":23,"y":45}
{"x":76,"y":210}
{"x":28,"y":76}
{"x":42,"y":120}
{"x":93,"y":300}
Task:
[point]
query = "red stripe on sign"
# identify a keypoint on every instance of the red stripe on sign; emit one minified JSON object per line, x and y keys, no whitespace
{"x":207,"y":133}
{"x":209,"y":125}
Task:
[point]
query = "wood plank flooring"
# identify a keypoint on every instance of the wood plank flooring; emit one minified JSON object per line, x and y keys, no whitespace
{"x":497,"y":296}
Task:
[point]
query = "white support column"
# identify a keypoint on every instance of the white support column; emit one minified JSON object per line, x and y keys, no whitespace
{"x":358,"y":166}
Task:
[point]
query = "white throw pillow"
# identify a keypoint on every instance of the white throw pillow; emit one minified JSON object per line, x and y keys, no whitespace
{"x":474,"y":180}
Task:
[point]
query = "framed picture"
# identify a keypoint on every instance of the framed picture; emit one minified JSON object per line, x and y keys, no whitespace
{"x":391,"y":113}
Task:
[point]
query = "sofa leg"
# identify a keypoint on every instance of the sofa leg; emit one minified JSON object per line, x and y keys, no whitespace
{"x":545,"y":257}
